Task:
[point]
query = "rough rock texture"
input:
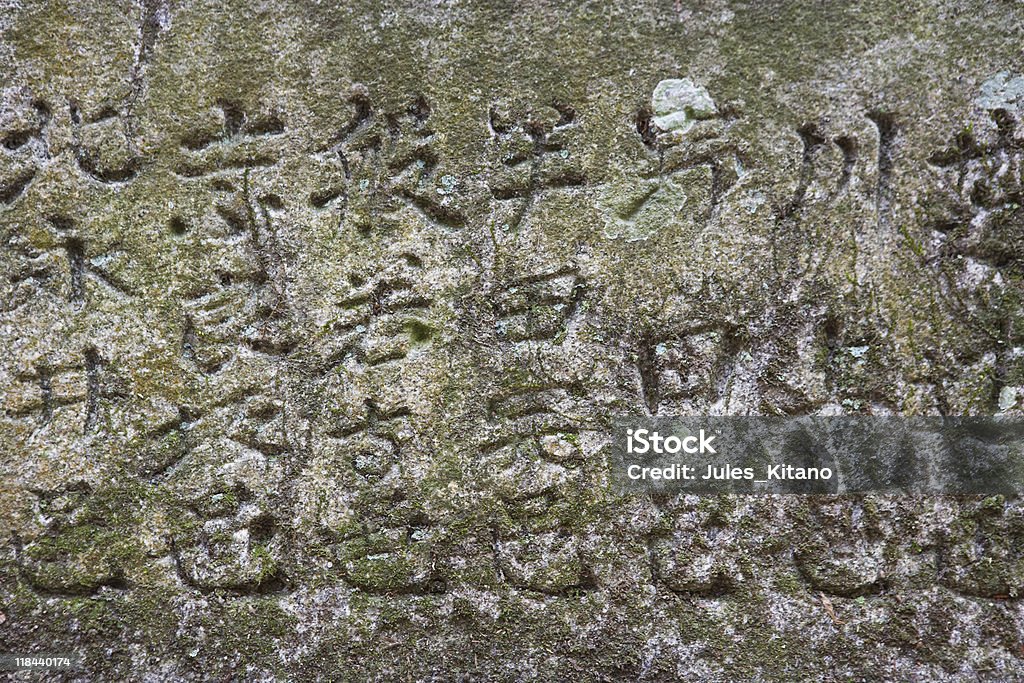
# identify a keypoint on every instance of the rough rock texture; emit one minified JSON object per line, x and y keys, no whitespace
{"x":314,"y":316}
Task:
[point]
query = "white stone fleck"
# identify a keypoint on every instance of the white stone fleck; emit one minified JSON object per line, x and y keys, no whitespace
{"x":1002,"y":91}
{"x":1007,"y":398}
{"x":679,"y":103}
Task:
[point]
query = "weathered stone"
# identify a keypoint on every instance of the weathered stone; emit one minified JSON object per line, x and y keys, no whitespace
{"x":315,"y":318}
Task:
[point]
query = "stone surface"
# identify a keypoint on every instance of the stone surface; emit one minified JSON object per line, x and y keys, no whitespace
{"x":314,"y":317}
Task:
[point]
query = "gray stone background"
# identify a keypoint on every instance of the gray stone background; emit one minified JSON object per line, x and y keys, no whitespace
{"x":314,"y":316}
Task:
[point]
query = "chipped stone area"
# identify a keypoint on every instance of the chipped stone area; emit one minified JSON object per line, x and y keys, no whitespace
{"x":316,"y":318}
{"x":679,"y":103}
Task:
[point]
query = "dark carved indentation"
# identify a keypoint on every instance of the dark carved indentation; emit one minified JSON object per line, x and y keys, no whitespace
{"x":76,"y":261}
{"x":321,"y":198}
{"x":848,"y":145}
{"x":92,"y":378}
{"x":812,"y":142}
{"x":645,"y":126}
{"x":887,"y":131}
{"x":14,"y":189}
